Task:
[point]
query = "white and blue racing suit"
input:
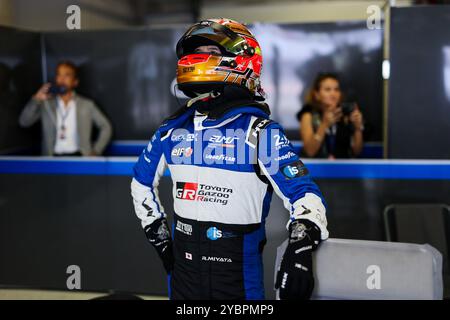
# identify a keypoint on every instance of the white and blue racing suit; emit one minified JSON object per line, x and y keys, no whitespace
{"x":224,"y":170}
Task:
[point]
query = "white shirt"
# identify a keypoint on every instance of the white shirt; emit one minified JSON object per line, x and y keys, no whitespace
{"x":66,"y":127}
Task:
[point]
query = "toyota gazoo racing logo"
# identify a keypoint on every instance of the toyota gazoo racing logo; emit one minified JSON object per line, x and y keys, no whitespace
{"x":202,"y":192}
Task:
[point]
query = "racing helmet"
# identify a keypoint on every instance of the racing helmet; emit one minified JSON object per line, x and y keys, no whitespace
{"x":238,"y":64}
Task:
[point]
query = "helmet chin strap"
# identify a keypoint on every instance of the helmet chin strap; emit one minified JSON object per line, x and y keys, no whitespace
{"x":212,"y":94}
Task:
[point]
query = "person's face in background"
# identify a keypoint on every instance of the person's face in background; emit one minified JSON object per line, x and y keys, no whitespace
{"x":66,"y":77}
{"x":329,"y":94}
{"x":208,"y":49}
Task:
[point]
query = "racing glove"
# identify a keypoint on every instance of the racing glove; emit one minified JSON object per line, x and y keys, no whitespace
{"x":159,"y":236}
{"x":295,"y":279}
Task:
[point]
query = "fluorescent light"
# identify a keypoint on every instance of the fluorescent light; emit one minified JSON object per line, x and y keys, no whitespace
{"x":386,"y":69}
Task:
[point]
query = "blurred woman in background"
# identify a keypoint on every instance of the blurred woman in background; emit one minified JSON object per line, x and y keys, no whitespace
{"x":329,"y":128}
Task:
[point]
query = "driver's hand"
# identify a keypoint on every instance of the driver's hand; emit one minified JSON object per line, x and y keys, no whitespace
{"x":295,"y":279}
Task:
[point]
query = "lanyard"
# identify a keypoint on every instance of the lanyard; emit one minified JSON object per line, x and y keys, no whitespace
{"x":64,"y":116}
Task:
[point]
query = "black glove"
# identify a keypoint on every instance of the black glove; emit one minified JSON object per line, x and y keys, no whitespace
{"x":295,"y":275}
{"x":159,"y":236}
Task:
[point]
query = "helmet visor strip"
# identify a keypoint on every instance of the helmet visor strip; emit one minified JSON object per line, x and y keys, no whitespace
{"x":231,"y":42}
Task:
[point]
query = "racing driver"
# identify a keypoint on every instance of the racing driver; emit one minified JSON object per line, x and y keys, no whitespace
{"x":226,"y":157}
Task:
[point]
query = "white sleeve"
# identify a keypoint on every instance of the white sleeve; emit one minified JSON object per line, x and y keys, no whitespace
{"x":148,"y":171}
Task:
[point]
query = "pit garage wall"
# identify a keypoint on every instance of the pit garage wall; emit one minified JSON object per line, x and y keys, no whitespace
{"x":20,"y":76}
{"x":130,"y":73}
{"x":55,"y":213}
{"x":419,"y":86}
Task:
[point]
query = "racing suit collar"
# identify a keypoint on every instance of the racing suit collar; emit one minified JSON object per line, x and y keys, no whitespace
{"x":221,"y":107}
{"x":237,"y":106}
{"x":201,"y":121}
{"x":233,"y":113}
{"x":227,"y":105}
{"x":218,"y":104}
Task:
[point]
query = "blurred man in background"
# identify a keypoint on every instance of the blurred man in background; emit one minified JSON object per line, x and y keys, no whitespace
{"x":67,"y":117}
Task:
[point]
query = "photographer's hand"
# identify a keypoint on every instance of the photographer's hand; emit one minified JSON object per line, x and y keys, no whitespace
{"x":42,"y":94}
{"x":331,"y":117}
{"x":356,"y":119}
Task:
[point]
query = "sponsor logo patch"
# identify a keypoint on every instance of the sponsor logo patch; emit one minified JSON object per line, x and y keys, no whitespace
{"x":294,"y":170}
{"x":286,"y":156}
{"x":298,"y":232}
{"x":184,"y":137}
{"x":222,"y":141}
{"x":182,"y":152}
{"x":281,"y":141}
{"x":220,"y":158}
{"x":257,"y":126}
{"x":184,"y":228}
{"x":214,"y":234}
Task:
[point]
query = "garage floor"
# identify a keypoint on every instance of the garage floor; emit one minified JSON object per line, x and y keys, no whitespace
{"x":26,"y":294}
